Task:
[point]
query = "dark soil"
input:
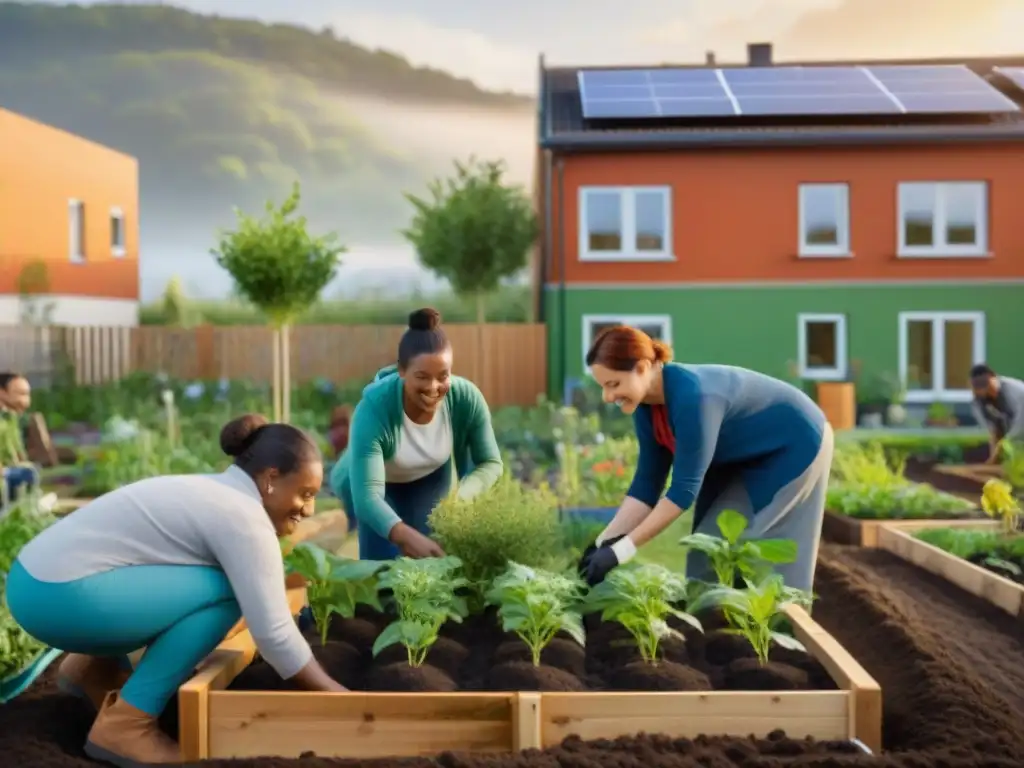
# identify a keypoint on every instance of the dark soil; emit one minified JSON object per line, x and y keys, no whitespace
{"x":951,"y":669}
{"x":478,"y":656}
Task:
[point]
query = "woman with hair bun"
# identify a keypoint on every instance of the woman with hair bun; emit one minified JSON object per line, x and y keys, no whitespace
{"x":732,"y":439}
{"x":416,"y":429}
{"x":170,"y":564}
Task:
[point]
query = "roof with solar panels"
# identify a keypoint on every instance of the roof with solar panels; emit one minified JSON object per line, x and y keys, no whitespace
{"x":762,"y":103}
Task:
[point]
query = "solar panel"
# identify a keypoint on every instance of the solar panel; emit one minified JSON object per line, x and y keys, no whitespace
{"x":788,"y":91}
{"x":1014,"y":74}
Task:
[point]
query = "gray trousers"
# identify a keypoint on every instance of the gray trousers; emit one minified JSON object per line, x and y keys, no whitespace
{"x":796,"y":512}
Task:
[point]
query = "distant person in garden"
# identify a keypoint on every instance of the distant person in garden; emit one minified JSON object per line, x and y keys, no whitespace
{"x":999,"y":406}
{"x":18,"y":472}
{"x":417,"y":430}
{"x":171,"y":564}
{"x":732,"y":439}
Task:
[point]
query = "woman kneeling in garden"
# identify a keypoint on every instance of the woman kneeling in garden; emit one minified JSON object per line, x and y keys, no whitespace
{"x":415,"y":424}
{"x":732,"y":439}
{"x":171,"y":564}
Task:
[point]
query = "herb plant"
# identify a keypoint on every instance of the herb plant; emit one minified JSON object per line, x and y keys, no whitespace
{"x":731,"y":557}
{"x":334,"y":585}
{"x":526,"y":531}
{"x":755,"y":613}
{"x":537,"y":605}
{"x":641,"y":598}
{"x":425,"y":596}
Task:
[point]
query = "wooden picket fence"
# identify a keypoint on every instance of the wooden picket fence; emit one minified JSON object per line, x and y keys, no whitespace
{"x":507,"y":361}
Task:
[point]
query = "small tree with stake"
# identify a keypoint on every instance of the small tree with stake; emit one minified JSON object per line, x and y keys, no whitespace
{"x":278,"y":266}
{"x":474,"y":230}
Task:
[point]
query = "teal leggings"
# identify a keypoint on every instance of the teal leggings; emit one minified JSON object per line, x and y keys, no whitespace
{"x":179,"y":613}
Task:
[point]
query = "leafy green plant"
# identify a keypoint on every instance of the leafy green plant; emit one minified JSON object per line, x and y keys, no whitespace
{"x":732,"y":557}
{"x":334,"y":585}
{"x":641,"y":598}
{"x":756,"y":613}
{"x":1000,"y":552}
{"x":1013,"y":462}
{"x":424,"y":593}
{"x":17,"y":648}
{"x":537,"y":605}
{"x":507,"y":523}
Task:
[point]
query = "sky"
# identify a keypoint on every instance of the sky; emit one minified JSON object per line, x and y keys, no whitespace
{"x":497,"y":44}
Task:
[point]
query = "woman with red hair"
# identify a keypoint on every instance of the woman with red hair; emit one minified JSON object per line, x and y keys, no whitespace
{"x":732,"y":439}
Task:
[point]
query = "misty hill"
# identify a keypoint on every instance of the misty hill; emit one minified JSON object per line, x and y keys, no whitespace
{"x":224,"y":112}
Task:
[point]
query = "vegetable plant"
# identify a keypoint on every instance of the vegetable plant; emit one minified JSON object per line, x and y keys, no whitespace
{"x":334,"y":585}
{"x":425,"y":597}
{"x":641,"y":598}
{"x":756,"y":612}
{"x":537,"y":605}
{"x":998,"y":502}
{"x":732,"y":557}
{"x":1013,"y":462}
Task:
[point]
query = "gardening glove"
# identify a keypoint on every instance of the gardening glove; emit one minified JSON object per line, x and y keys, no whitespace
{"x":588,"y":553}
{"x":305,"y":619}
{"x":609,"y":556}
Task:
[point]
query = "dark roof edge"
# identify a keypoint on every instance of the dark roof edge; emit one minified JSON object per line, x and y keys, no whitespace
{"x":724,"y":138}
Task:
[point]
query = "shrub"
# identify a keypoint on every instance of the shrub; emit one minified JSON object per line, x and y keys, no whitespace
{"x":507,"y":523}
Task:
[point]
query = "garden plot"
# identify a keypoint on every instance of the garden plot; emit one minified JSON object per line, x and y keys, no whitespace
{"x":867,"y":488}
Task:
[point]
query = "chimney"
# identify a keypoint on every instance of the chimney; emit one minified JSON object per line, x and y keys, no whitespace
{"x":709,"y":58}
{"x":759,"y":54}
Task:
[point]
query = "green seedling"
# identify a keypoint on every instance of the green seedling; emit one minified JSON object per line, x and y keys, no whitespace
{"x":756,"y":612}
{"x":425,"y":597}
{"x":537,"y":605}
{"x":733,"y":557}
{"x":641,"y":598}
{"x":334,"y":585}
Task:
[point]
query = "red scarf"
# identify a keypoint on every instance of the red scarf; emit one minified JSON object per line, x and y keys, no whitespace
{"x":662,"y":430}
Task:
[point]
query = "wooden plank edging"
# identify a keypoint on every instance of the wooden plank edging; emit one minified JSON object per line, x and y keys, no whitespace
{"x":216,"y":723}
{"x":1001,"y":592}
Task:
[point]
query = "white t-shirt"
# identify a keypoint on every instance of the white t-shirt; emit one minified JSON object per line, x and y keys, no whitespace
{"x":422,"y":448}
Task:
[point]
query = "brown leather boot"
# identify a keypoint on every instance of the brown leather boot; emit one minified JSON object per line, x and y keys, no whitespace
{"x":129,"y":738}
{"x":90,"y":677}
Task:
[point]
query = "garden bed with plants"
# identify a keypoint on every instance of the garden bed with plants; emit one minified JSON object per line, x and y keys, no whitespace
{"x":868,"y":486}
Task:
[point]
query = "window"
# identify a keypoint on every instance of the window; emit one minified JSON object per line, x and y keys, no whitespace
{"x":937,"y":350}
{"x":117,"y":238}
{"x":824,"y":220}
{"x":658,"y":327}
{"x":821,"y":342}
{"x":625,"y":224}
{"x":948,"y":219}
{"x":76,"y":230}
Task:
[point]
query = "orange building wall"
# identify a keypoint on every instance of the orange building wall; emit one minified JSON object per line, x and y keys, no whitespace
{"x":735,"y":212}
{"x":41,"y":168}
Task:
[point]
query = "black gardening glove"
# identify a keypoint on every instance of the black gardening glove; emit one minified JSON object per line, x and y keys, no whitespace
{"x":601,"y":564}
{"x":588,"y":553}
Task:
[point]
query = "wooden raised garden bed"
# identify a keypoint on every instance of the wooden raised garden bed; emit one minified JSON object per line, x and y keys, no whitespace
{"x":859,"y":532}
{"x":963,"y":478}
{"x":898,"y":537}
{"x":218,"y":723}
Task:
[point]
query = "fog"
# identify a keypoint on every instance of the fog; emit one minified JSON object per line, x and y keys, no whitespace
{"x":435,"y":136}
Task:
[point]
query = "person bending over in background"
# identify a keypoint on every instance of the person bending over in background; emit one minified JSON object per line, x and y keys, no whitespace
{"x":732,"y":439}
{"x":999,"y":406}
{"x":415,"y":426}
{"x":20,"y":474}
{"x":170,"y":564}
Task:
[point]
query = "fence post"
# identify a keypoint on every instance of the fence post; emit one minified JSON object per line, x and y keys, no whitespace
{"x":206,"y":359}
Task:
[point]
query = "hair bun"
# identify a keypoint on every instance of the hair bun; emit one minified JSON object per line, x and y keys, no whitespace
{"x":238,"y":434}
{"x":426,"y":319}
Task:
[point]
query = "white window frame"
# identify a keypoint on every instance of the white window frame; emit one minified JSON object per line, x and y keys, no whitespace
{"x":665,"y":321}
{"x":627,"y":197}
{"x":942,"y":250}
{"x":76,"y":231}
{"x":838,"y":373}
{"x":842,"y":248}
{"x":118,"y":249}
{"x":939,"y":320}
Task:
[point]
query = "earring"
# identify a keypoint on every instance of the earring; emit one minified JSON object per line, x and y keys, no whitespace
{"x":270,"y":489}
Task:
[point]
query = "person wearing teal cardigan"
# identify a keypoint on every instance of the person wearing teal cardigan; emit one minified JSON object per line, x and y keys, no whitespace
{"x":416,"y":430}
